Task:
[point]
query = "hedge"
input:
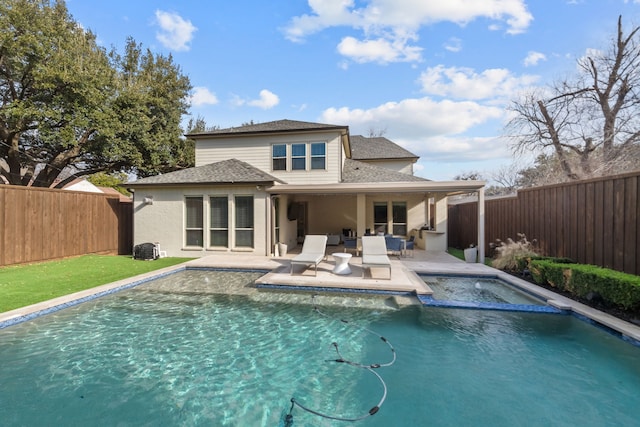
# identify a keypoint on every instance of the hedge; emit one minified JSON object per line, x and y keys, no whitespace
{"x":582,"y":280}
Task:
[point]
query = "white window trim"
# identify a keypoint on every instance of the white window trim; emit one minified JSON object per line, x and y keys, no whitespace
{"x":308,"y":157}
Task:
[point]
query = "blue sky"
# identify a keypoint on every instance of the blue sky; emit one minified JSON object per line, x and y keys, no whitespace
{"x":435,"y":76}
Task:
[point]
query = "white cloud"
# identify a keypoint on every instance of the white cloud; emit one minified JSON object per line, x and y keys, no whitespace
{"x":417,"y":117}
{"x":175,"y":32}
{"x":454,"y":44}
{"x":203,"y":96}
{"x":460,"y":82}
{"x":407,"y":15}
{"x":266,"y":101}
{"x":436,"y":131}
{"x":378,"y":50}
{"x":458,"y":149}
{"x":396,"y":21}
{"x":533,"y":58}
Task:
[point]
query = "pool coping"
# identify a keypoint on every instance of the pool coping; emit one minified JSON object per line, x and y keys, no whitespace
{"x":443,"y":264}
{"x":23,"y":314}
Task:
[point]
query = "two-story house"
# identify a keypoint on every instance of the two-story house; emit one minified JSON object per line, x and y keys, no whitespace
{"x":258,"y":185}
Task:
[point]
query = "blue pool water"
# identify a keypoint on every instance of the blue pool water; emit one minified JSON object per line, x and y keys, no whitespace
{"x":477,"y":289}
{"x":486,"y":293}
{"x":176,"y":352}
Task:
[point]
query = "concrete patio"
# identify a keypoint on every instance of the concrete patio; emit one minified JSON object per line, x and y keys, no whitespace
{"x":404,"y":277}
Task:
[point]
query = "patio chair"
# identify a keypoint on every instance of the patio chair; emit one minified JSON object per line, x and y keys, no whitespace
{"x":409,"y":245}
{"x":395,"y":245}
{"x":374,"y":253}
{"x":351,"y":243}
{"x":313,"y":252}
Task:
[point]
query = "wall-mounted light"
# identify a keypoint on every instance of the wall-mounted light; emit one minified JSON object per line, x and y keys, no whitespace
{"x":148,"y":200}
{"x":259,"y":187}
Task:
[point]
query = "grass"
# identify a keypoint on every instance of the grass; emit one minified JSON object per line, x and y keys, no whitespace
{"x":28,"y":284}
{"x":459,"y":253}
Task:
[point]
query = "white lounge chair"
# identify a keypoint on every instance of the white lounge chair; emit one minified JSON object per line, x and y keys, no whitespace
{"x":313,"y":252}
{"x":374,"y":253}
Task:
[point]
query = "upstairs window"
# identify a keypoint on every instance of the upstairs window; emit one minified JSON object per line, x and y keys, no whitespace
{"x":318,"y":155}
{"x":298,"y":157}
{"x":279,"y":157}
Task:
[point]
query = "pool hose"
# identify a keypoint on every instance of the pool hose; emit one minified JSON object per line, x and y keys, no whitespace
{"x":287,"y":420}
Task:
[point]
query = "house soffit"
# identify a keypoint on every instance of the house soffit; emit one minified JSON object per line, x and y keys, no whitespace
{"x":450,"y":188}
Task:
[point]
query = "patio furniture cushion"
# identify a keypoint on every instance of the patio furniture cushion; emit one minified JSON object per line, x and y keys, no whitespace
{"x":394,"y":244}
{"x":313,"y":252}
{"x":410,"y":244}
{"x":351,"y":243}
{"x":333,"y":239}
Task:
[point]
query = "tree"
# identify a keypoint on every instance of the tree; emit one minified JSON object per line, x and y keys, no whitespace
{"x":145,"y":135}
{"x":507,"y":179}
{"x":188,"y":146}
{"x":469,"y":176}
{"x":590,"y":123}
{"x":113,"y":180}
{"x":68,"y":105}
{"x":377,"y":132}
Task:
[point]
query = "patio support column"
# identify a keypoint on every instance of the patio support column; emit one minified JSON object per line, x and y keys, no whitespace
{"x":481,"y":225}
{"x":361,"y":214}
{"x":271,"y":228}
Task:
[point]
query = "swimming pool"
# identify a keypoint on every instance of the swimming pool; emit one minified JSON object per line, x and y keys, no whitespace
{"x":179,"y":351}
{"x":477,"y":289}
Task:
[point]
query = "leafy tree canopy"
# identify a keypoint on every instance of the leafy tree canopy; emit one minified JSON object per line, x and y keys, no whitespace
{"x":113,"y":180}
{"x":69,"y":105}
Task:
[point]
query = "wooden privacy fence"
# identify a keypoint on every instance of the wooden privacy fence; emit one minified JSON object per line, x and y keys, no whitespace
{"x":38,"y":224}
{"x":593,"y":221}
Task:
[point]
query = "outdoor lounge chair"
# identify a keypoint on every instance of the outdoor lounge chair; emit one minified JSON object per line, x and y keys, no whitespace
{"x":313,"y":252}
{"x":374,"y":253}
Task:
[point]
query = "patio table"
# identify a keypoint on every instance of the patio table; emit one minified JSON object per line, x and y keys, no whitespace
{"x":342,"y":263}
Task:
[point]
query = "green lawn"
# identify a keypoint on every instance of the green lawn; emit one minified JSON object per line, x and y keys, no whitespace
{"x":459,"y":253}
{"x":23,"y":285}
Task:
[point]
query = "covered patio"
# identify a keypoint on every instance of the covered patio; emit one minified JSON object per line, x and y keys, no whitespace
{"x":415,"y":209}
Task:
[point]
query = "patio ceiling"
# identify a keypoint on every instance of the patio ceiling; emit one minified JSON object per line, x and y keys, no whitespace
{"x":448,"y":187}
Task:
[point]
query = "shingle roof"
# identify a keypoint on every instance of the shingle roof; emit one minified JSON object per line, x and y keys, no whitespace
{"x":224,"y":172}
{"x":275,"y":126}
{"x":354,"y":171}
{"x":377,"y":148}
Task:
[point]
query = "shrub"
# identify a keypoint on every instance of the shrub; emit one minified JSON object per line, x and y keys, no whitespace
{"x":548,"y":270}
{"x":614,"y":287}
{"x":509,"y":254}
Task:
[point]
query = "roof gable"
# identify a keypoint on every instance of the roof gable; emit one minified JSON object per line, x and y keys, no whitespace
{"x":230,"y":171}
{"x":377,"y":148}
